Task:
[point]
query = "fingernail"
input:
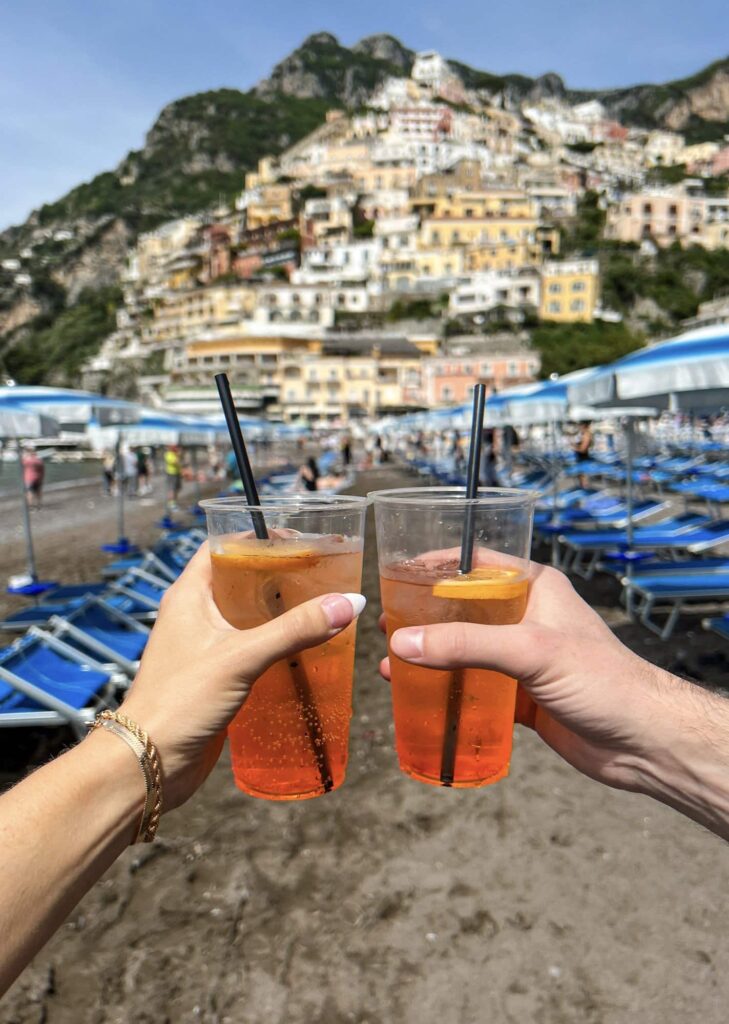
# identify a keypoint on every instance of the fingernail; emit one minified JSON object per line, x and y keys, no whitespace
{"x":407,"y":643}
{"x":340,"y":609}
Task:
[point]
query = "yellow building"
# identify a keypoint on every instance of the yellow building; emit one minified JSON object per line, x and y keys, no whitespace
{"x":439,"y":262}
{"x":372,"y":177}
{"x":179,"y":315}
{"x":333,"y":387}
{"x":270,"y":203}
{"x":495,"y":203}
{"x":569,"y":291}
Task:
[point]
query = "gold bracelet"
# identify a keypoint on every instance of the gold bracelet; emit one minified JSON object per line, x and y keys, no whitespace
{"x":148,"y":759}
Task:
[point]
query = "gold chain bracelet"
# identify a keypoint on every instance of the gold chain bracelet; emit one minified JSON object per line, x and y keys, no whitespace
{"x":146,"y":754}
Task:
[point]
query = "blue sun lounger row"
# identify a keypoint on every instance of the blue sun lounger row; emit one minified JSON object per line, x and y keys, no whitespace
{"x":82,"y":643}
{"x":683,"y":533}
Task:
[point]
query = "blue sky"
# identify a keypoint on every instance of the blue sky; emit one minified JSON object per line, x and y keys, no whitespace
{"x":80,"y":82}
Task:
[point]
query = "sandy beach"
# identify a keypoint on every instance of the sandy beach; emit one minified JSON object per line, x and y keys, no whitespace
{"x":546,"y":898}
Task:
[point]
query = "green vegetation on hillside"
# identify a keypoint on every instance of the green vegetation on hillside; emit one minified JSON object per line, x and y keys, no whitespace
{"x":196,"y":154}
{"x":676,"y":279}
{"x":472,"y":78}
{"x":567,"y":347}
{"x":55,"y":352}
{"x":583,"y":235}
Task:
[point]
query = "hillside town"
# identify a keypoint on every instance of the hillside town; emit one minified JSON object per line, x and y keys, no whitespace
{"x":367,"y":269}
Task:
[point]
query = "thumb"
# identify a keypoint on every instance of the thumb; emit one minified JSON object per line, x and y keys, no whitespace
{"x":306,"y":625}
{"x":516,"y":650}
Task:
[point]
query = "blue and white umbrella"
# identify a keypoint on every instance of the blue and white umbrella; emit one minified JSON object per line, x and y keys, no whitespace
{"x":73,"y":410}
{"x":690,"y":372}
{"x":545,"y":401}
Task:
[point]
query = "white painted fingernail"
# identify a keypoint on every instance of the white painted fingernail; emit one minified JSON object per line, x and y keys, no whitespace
{"x":358,"y":602}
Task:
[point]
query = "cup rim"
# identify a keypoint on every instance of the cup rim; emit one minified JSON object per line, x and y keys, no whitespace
{"x":455,"y":497}
{"x":290,"y":503}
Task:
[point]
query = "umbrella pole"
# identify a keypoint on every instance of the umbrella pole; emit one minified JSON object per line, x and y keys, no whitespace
{"x":629,"y":459}
{"x":555,"y":486}
{"x":122,"y":541}
{"x":29,"y":552}
{"x":195,"y":478}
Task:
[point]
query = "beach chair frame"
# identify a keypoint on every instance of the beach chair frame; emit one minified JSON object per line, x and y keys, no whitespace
{"x":58,"y":711}
{"x":647,"y":604}
{"x":63,"y":627}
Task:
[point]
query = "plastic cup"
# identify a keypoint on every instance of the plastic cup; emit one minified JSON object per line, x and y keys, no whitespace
{"x":452,"y":728}
{"x":290,"y":739}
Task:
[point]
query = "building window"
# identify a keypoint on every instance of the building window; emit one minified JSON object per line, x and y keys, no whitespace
{"x":647,"y":209}
{"x":554,"y":307}
{"x":555,"y":288}
{"x":577,"y":305}
{"x":435,"y":236}
{"x":446,"y":392}
{"x":578,"y":286}
{"x":673,"y":210}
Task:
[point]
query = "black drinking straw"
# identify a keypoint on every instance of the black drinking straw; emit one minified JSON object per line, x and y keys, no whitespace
{"x":241,"y":453}
{"x":455,"y":688}
{"x":474,"y":472}
{"x":298,"y":677}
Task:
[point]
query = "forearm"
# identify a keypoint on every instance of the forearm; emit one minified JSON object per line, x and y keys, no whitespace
{"x":60,"y":829}
{"x":688,"y":765}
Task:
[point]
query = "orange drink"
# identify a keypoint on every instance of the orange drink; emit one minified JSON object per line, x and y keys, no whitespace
{"x":453,"y":728}
{"x":289,"y":740}
{"x":414,"y":595}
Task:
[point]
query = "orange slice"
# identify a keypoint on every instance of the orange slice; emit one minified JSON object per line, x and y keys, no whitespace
{"x":276,"y":559}
{"x":485,"y":583}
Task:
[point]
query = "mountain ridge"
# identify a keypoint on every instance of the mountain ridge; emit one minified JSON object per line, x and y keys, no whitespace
{"x":200,"y":146}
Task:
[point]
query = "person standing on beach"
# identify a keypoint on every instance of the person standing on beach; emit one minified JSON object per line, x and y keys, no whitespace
{"x":582,"y":448}
{"x":129,"y":472}
{"x":143,"y":471}
{"x":309,"y":475}
{"x":173,"y":472}
{"x":34,"y":472}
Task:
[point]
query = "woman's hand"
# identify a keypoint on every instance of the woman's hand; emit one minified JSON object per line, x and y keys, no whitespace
{"x":197,"y":670}
{"x":588,"y":696}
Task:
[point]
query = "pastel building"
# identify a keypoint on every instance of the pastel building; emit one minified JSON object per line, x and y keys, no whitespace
{"x":569,"y":290}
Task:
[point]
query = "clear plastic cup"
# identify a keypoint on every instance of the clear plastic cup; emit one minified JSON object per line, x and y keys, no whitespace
{"x":453,"y":728}
{"x":290,"y":739}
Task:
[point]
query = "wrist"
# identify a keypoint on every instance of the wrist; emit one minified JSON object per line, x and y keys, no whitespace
{"x":686,"y":765}
{"x":116,"y":780}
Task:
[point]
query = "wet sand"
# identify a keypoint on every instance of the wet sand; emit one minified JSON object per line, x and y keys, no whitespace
{"x":546,"y":898}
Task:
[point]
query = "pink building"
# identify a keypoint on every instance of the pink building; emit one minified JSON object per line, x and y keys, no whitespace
{"x":449,"y":380}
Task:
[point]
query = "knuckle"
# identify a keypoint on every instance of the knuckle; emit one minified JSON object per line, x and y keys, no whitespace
{"x":456,"y":642}
{"x":298,"y":627}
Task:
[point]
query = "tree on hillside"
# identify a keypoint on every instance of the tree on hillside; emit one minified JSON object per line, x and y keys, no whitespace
{"x":567,"y":347}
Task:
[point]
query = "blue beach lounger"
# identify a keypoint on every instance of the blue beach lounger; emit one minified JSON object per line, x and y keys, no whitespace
{"x":44,"y":682}
{"x":670,"y":536}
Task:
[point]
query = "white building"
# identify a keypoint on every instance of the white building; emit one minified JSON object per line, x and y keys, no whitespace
{"x":480,"y":292}
{"x":394,"y":92}
{"x":297,"y":307}
{"x":353,"y":262}
{"x":430,"y":69}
